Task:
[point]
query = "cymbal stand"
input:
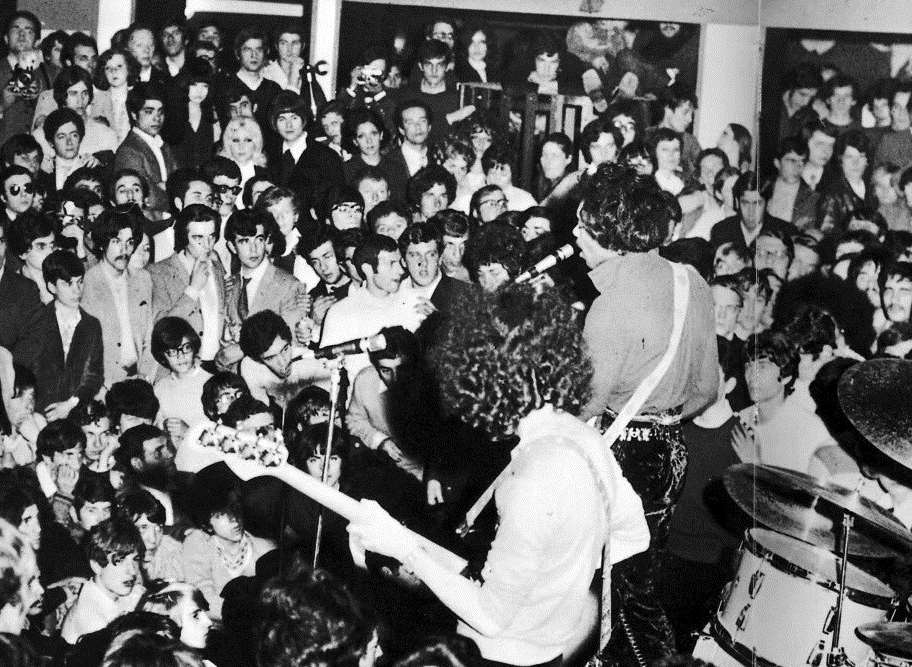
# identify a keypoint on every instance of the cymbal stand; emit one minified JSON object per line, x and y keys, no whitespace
{"x":837,"y":656}
{"x":337,"y":371}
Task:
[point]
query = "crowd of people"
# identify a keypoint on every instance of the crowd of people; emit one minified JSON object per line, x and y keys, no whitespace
{"x":186,"y":222}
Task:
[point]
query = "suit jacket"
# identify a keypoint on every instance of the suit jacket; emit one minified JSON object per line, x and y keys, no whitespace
{"x":317,"y":171}
{"x":397,"y":172}
{"x":98,"y":301}
{"x":21,"y":318}
{"x":81,"y":374}
{"x":729,"y":230}
{"x":278,"y":291}
{"x":169,"y":280}
{"x":135,"y":153}
{"x":837,"y":204}
{"x":804,"y":209}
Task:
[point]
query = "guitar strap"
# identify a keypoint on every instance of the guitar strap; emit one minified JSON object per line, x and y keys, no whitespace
{"x":628,"y":412}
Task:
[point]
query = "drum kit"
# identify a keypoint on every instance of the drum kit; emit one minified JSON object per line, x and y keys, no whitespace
{"x":795,"y":598}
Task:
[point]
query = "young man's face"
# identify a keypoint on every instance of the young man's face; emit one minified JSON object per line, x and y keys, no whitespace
{"x":763,"y":381}
{"x":790,"y":167}
{"x":31,"y":161}
{"x":492,"y":276}
{"x":315,"y":468}
{"x":18,"y":193}
{"x":66,"y":141}
{"x":668,"y":155}
{"x":423,"y":262}
{"x":444,"y":32}
{"x":553,"y":161}
{"x":415,"y":126}
{"x":324,"y":263}
{"x":899,"y":111}
{"x":842,"y":100}
{"x":98,"y":436}
{"x":801,"y":97}
{"x":38,"y":250}
{"x":277,"y":357}
{"x":346,"y":215}
{"x":753,"y":205}
{"x":331,"y":123}
{"x":198,"y":192}
{"x":867,"y":282}
{"x":772,"y":254}
{"x":388,"y":369}
{"x":200,"y":238}
{"x":681,"y":118}
{"x":85,"y":57}
{"x":535,"y":227}
{"x":241,"y":108}
{"x":290,"y":126}
{"x":71,"y":458}
{"x":285,"y":215}
{"x":194,"y":623}
{"x":433,"y":71}
{"x":158,"y":455}
{"x":251,"y":250}
{"x":453,"y":250}
{"x":119,"y":249}
{"x":752,"y":309}
{"x":391,"y":225}
{"x":820,"y":148}
{"x":500,"y":174}
{"x":289,"y":46}
{"x":546,"y":66}
{"x":373,"y":191}
{"x":150,"y":532}
{"x":78,"y":97}
{"x":883,"y":188}
{"x":128,"y":190}
{"x":434,"y":200}
{"x":21,"y":35}
{"x":252,"y":55}
{"x":491,"y":205}
{"x":67,"y":292}
{"x":92,"y":514}
{"x":172,"y":37}
{"x":150,"y":118}
{"x":389,"y":272}
{"x":118,"y":577}
{"x":897,"y":298}
{"x":227,"y":190}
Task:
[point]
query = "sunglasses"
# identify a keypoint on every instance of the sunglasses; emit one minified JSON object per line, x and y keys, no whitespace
{"x":27,"y":188}
{"x":224,"y":189}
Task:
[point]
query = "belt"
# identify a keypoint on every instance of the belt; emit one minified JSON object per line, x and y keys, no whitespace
{"x":670,"y":417}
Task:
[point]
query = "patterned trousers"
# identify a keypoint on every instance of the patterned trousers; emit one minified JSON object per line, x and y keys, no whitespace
{"x":654,"y":460}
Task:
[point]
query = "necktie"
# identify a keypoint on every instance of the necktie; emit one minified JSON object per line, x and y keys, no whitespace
{"x":288,"y":165}
{"x":243,"y":303}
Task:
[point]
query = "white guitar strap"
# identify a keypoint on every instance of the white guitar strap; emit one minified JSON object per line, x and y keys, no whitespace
{"x":627,"y":501}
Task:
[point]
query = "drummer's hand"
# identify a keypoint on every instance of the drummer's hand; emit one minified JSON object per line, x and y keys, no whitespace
{"x":744,"y":444}
{"x":434,"y":492}
{"x":375,"y":530}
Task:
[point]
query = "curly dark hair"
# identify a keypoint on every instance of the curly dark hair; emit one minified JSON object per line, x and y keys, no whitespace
{"x":495,"y":243}
{"x":624,"y":211}
{"x":508,"y":353}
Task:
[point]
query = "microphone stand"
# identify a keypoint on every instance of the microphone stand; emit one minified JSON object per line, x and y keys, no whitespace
{"x":338,"y":377}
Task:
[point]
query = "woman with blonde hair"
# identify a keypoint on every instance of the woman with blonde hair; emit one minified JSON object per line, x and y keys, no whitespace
{"x":242,"y":142}
{"x":20,"y":589}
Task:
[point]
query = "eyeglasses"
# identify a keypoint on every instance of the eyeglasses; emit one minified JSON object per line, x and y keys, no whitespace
{"x":347,"y":208}
{"x":27,"y":188}
{"x":771,"y":254}
{"x":175,"y":352}
{"x":225,"y":189}
{"x":493,"y":202}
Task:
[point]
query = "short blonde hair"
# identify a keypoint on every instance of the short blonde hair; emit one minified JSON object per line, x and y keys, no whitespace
{"x":244,"y":127}
{"x":17,"y":567}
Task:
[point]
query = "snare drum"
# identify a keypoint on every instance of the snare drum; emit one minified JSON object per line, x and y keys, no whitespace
{"x":884,"y":660}
{"x":781,"y":606}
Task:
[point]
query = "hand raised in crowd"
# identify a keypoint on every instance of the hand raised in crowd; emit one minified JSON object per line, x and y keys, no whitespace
{"x":65,"y":477}
{"x":200,"y":274}
{"x":175,"y":428}
{"x":744,"y":442}
{"x":59,"y":410}
{"x":303,"y":331}
{"x":424,"y":307}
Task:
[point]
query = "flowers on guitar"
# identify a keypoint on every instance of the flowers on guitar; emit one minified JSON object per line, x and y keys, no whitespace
{"x":267,"y":449}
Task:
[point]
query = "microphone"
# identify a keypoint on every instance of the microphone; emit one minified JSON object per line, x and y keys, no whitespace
{"x":373,"y":343}
{"x":546,"y":263}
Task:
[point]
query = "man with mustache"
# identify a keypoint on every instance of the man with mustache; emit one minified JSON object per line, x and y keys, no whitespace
{"x":120,"y":299}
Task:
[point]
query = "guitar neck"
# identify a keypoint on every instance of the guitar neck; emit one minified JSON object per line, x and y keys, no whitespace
{"x":350,"y":509}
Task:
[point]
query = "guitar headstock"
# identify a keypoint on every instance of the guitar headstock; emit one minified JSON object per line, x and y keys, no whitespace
{"x":247,"y":455}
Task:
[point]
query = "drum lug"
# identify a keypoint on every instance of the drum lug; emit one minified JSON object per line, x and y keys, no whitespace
{"x":742,"y":617}
{"x":756,"y":583}
{"x":830,"y":621}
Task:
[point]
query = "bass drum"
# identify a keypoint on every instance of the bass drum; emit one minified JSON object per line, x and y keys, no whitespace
{"x":780,"y":609}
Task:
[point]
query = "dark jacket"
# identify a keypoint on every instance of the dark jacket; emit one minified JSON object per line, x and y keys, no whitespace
{"x":312,"y":177}
{"x":81,"y":374}
{"x":837,"y":204}
{"x":21,"y":316}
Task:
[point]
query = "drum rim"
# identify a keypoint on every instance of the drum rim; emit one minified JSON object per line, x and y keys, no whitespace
{"x":782,"y":564}
{"x":735,"y":649}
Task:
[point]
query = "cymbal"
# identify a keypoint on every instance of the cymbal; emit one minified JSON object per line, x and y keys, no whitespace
{"x":876,"y":396}
{"x":888,"y":637}
{"x":810,"y":510}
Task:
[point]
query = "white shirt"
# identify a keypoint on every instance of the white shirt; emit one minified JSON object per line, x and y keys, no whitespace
{"x":518,"y":199}
{"x":209,"y":309}
{"x":62,"y":170}
{"x":297,"y":147}
{"x":302,"y":271}
{"x":94,"y":609}
{"x":427,"y":291}
{"x":221,"y":246}
{"x":67,"y":320}
{"x":274,"y":72}
{"x":155,"y":143}
{"x":118,"y":285}
{"x":415,"y":158}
